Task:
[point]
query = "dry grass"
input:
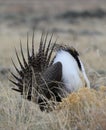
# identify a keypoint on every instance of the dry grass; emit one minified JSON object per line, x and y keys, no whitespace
{"x":84,"y":109}
{"x":81,"y":110}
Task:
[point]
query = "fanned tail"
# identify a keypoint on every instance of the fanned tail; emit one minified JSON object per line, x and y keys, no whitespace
{"x":29,"y":80}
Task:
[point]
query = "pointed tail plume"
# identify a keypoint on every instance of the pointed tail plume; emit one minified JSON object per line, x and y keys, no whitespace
{"x":37,"y":76}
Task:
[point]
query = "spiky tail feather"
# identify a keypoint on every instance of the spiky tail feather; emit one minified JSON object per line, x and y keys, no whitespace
{"x":30,"y":79}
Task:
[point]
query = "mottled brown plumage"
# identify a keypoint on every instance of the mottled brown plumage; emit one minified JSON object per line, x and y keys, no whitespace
{"x":37,"y":77}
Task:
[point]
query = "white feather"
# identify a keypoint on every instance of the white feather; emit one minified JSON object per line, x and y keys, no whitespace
{"x":72,"y":76}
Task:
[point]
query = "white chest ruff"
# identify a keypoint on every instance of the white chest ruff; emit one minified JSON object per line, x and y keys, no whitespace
{"x":72,"y":76}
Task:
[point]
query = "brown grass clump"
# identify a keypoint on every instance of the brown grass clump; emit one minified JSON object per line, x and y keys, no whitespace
{"x":86,"y":109}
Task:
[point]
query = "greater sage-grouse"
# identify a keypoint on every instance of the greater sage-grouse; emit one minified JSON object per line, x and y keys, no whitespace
{"x":45,"y":77}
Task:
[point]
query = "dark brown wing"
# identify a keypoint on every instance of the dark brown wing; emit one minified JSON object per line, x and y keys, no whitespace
{"x":53,"y":73}
{"x":50,"y":85}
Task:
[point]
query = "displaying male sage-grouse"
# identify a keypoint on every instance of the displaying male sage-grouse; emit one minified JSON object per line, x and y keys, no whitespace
{"x":44,"y":76}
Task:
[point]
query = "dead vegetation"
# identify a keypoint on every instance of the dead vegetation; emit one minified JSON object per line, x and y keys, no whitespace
{"x":84,"y":109}
{"x":81,"y":110}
